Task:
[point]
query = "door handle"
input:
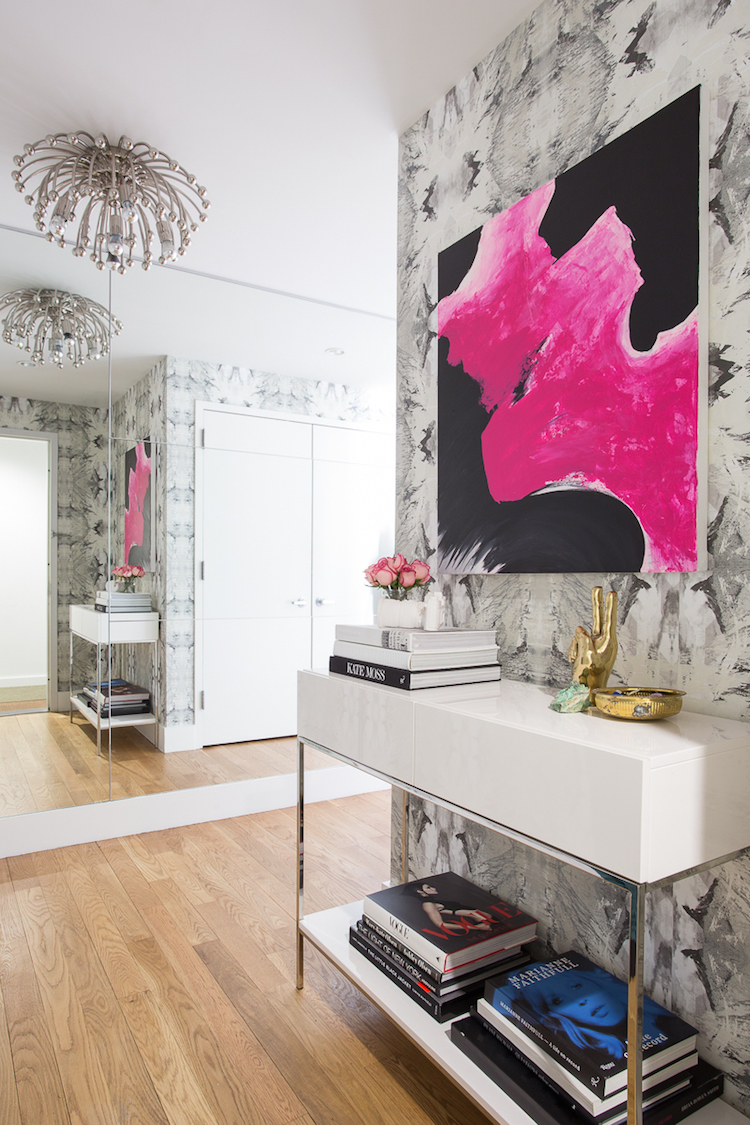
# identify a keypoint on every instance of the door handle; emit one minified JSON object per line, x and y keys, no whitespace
{"x":325,"y":601}
{"x":300,"y":603}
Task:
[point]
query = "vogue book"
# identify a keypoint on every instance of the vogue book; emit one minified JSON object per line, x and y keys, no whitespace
{"x":449,"y":921}
{"x":416,"y":640}
{"x":577,"y":1012}
{"x":401,"y":678}
{"x":547,"y":1104}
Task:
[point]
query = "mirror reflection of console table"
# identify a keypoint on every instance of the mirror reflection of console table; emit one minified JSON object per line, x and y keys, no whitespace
{"x":638,"y":804}
{"x":102,"y":629}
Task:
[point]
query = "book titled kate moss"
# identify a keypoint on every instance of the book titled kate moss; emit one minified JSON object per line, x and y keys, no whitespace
{"x":577,"y":1012}
{"x":403,"y":678}
{"x":448,"y":921}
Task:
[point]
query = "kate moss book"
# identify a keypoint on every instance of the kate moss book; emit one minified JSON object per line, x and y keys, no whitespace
{"x":402,"y":678}
{"x":577,"y":1012}
{"x":416,"y":640}
{"x":539,"y":1060}
{"x":449,"y":921}
{"x":547,"y":1104}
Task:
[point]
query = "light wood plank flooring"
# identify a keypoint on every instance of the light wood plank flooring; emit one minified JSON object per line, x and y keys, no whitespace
{"x":150,"y":981}
{"x":47,"y":762}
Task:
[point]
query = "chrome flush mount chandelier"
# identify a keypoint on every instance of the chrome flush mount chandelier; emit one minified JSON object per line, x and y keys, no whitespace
{"x":61,"y":324}
{"x":121,"y":190}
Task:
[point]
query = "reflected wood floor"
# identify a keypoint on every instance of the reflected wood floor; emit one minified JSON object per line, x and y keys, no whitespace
{"x":150,"y":981}
{"x":47,"y":762}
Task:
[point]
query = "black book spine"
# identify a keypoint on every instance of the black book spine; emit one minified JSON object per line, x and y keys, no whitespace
{"x":456,"y":1004}
{"x":424,"y":966}
{"x":402,"y":962}
{"x":372,"y":673}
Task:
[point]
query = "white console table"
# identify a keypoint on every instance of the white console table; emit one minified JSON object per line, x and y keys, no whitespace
{"x":102,"y":629}
{"x":637,"y":804}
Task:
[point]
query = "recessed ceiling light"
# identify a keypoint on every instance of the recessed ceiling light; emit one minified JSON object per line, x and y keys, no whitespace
{"x":26,"y":363}
{"x":334,"y":351}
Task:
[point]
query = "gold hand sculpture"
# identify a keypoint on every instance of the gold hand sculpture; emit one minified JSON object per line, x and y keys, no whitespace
{"x":593,"y":654}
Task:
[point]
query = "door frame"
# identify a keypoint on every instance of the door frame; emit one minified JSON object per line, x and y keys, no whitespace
{"x":52,"y":637}
{"x":201,"y":409}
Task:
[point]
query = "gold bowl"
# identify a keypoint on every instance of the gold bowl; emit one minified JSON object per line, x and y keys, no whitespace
{"x":638,"y":702}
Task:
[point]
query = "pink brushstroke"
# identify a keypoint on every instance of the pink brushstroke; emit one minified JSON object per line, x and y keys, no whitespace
{"x":595,"y":413}
{"x":137,"y":488}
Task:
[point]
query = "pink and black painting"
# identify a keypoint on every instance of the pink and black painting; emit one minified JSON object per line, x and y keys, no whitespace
{"x":138,"y":505}
{"x":569,"y":367}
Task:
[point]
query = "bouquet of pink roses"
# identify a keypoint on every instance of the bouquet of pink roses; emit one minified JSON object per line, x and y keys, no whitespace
{"x":126,"y":576}
{"x":396,"y":576}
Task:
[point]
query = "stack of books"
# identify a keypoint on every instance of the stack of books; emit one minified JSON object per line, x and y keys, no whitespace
{"x":118,"y":698}
{"x":122,"y":603}
{"x":439,"y":939}
{"x":554,"y":1035}
{"x":415,"y":658}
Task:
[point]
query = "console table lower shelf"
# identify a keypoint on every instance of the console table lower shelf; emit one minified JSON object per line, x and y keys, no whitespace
{"x":328,"y":931}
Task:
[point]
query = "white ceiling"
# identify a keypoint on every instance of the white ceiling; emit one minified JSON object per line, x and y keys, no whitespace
{"x":289,"y":113}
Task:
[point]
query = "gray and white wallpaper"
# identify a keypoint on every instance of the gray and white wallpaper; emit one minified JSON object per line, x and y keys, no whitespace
{"x":81,"y":513}
{"x":162,"y":406}
{"x":575,"y":75}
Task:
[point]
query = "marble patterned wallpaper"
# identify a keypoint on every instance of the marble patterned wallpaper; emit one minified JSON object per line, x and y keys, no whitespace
{"x":572,"y":77}
{"x":163,"y":406}
{"x":81,"y":513}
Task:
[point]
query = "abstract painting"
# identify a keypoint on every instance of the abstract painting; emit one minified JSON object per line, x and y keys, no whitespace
{"x":138,"y":508}
{"x":569,"y":361}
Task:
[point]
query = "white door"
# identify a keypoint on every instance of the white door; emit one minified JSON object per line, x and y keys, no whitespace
{"x":292,"y":513}
{"x":353,"y":526}
{"x":257,"y":482}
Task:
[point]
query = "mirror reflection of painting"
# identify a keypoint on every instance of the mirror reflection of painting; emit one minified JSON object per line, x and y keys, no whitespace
{"x":138,"y":505}
{"x":569,"y":367}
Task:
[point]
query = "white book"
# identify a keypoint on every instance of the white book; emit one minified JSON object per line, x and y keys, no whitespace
{"x":417,"y":661}
{"x":416,"y":640}
{"x":577,"y":1089}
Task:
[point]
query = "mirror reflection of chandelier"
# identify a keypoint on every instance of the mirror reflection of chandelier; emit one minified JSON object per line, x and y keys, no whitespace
{"x":120,"y":190}
{"x":51,"y":324}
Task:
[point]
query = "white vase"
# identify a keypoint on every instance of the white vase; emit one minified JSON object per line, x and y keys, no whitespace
{"x":394,"y":614}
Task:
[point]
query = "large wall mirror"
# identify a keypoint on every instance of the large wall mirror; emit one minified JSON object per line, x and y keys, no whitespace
{"x":245,"y":431}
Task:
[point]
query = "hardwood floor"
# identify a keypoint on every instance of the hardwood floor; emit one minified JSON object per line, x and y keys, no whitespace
{"x":150,"y":981}
{"x":47,"y":762}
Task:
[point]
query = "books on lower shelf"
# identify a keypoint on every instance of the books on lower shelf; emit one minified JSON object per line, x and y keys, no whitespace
{"x":120,"y":697}
{"x":576,"y":1014}
{"x":416,"y":640}
{"x":402,"y":678}
{"x":417,"y":661}
{"x":539,"y":1060}
{"x":548,"y":1104}
{"x":448,"y":921}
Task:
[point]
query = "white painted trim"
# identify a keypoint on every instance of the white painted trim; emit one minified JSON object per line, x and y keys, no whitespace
{"x":107,"y":820}
{"x":23,"y":681}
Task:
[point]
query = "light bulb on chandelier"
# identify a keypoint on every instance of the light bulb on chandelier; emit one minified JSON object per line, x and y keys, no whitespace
{"x":122,"y":190}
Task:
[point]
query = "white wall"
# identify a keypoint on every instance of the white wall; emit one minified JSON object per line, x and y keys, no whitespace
{"x":24,"y":521}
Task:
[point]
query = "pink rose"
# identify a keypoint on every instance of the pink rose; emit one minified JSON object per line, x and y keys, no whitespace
{"x":407,"y":576}
{"x":422,"y":570}
{"x":384,"y":575}
{"x":398,"y":561}
{"x":370,"y":574}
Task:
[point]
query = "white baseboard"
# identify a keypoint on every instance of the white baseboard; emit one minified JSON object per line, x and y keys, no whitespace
{"x":23,"y":681}
{"x":84,"y":824}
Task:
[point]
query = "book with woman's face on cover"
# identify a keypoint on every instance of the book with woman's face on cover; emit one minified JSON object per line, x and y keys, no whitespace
{"x":449,"y":920}
{"x":577,"y":1012}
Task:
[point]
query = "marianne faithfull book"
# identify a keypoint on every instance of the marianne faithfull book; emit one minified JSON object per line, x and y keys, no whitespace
{"x":449,"y":921}
{"x":577,"y":1013}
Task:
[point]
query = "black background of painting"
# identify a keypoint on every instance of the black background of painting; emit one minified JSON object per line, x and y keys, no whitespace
{"x":576,"y":530}
{"x":140,"y":553}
